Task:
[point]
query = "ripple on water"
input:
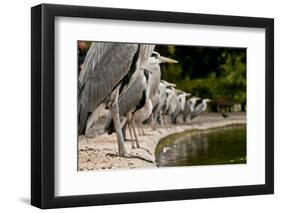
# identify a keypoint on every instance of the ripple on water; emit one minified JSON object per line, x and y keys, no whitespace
{"x":226,"y":145}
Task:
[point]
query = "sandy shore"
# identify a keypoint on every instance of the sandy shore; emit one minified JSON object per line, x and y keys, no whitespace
{"x":101,"y":152}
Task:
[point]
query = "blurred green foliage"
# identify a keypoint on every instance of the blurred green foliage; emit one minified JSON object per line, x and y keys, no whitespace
{"x":207,"y":72}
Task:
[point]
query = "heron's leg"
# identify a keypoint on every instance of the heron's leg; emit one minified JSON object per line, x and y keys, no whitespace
{"x":161,"y":121}
{"x":142,"y":129}
{"x":93,"y":118}
{"x":123,"y":122}
{"x":154,"y":122}
{"x":122,"y":150}
{"x":188,"y":119}
{"x":164,"y":122}
{"x":121,"y":146}
{"x":134,"y":131}
{"x":131,"y":134}
{"x":185,"y":118}
{"x":158,"y":121}
{"x":130,"y":131}
{"x":139,"y":130}
{"x":118,"y":128}
{"x":124,"y":132}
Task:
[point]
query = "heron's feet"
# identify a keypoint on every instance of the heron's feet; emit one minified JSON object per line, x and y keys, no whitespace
{"x":133,"y":145}
{"x":139,"y":147}
{"x":145,"y":150}
{"x":130,"y":155}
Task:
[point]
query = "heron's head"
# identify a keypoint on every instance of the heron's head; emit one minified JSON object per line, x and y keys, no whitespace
{"x":207,"y":100}
{"x":157,"y":58}
{"x":168,"y":85}
{"x":178,"y":92}
{"x":187,"y":94}
{"x":169,"y":92}
{"x":195,"y":98}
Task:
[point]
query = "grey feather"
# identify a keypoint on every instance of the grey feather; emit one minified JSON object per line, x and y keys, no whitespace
{"x":154,"y":78}
{"x":155,"y":100}
{"x":133,"y":98}
{"x":175,"y":113}
{"x":197,"y":111}
{"x":102,"y":71}
{"x":187,"y":109}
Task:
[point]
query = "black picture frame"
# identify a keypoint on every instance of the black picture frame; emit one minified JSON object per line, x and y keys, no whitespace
{"x":43,"y":102}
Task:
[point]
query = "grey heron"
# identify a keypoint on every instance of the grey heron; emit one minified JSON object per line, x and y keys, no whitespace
{"x":175,"y":103}
{"x":107,"y":71}
{"x":172,"y":107}
{"x":199,"y":109}
{"x":224,"y":115}
{"x":159,"y":103}
{"x":182,"y":100}
{"x":168,"y":84}
{"x":136,"y":97}
{"x":153,"y":70}
{"x":165,"y":91}
{"x":189,"y":107}
{"x":131,"y":100}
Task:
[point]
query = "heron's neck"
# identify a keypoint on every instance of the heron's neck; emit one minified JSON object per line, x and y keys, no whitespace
{"x":193,"y":102}
{"x":145,"y":52}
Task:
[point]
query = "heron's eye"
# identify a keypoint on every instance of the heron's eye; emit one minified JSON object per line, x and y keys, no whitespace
{"x":155,"y":55}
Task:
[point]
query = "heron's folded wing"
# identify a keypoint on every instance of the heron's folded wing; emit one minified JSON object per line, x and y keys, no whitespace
{"x":108,"y":65}
{"x":131,"y":99}
{"x":197,"y":111}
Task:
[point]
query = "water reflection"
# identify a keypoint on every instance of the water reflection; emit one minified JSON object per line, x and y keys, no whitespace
{"x":221,"y":146}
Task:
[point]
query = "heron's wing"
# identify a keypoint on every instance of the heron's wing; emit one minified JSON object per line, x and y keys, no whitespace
{"x":134,"y":97}
{"x":187,"y":108}
{"x":162,"y":90}
{"x":197,"y":111}
{"x":155,"y":100}
{"x":173,"y":103}
{"x":106,"y":64}
{"x":144,"y":113}
{"x":175,"y":113}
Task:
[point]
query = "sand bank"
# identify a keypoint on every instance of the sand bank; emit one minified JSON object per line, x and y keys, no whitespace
{"x":100,"y":152}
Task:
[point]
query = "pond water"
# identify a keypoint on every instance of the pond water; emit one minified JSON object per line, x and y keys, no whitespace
{"x":225,"y":145}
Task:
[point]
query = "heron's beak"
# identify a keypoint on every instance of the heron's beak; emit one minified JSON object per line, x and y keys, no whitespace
{"x":167,"y":60}
{"x":187,"y":94}
{"x":167,"y":84}
{"x":178,"y":92}
{"x":171,"y":85}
